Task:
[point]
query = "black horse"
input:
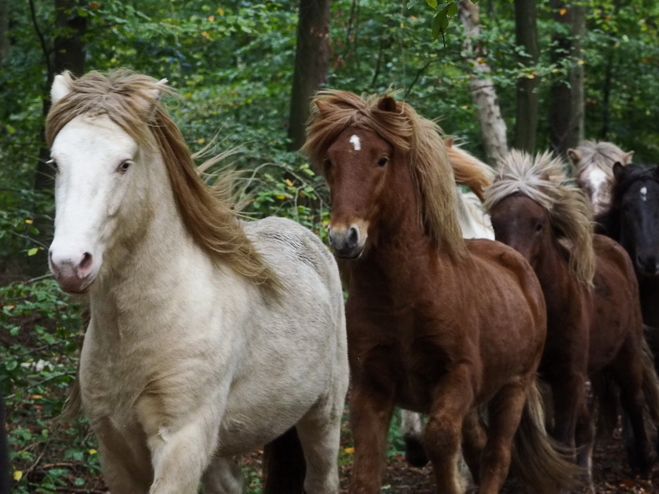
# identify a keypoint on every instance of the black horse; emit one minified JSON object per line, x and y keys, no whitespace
{"x":633,"y":221}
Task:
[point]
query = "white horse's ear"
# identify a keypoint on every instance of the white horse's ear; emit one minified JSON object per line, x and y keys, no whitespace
{"x":60,"y":87}
{"x":574,"y":155}
{"x":153,"y":96}
{"x":627,"y":158}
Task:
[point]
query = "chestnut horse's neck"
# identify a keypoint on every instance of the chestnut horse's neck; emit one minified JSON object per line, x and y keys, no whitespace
{"x":399,"y":246}
{"x":553,"y":271}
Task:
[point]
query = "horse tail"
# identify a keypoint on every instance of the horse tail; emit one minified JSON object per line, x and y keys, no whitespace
{"x":606,"y":395}
{"x":284,"y":466}
{"x":650,"y":383}
{"x":73,"y":405}
{"x":537,"y":460}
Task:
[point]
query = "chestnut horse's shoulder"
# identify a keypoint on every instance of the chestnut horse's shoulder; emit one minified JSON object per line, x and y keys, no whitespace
{"x":491,"y":250}
{"x":607,"y":249}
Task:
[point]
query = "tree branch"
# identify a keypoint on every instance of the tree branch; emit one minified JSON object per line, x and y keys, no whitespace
{"x":42,"y":40}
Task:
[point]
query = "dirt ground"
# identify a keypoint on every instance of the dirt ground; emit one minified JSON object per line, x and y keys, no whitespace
{"x":611,"y":473}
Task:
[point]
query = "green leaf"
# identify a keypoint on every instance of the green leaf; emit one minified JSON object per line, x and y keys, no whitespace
{"x":33,"y":251}
{"x":452,"y":9}
{"x":432,"y":3}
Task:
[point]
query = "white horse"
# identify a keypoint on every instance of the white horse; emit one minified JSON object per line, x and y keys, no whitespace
{"x":208,"y":337}
{"x":593,"y":168}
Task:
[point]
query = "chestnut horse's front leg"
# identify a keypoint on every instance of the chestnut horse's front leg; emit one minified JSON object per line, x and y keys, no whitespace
{"x":370,"y":415}
{"x":452,"y":400}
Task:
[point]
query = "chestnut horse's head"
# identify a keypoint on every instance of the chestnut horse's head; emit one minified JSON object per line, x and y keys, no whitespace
{"x":356,"y":169}
{"x":369,"y":151}
{"x":532,"y":204}
{"x":523,"y":224}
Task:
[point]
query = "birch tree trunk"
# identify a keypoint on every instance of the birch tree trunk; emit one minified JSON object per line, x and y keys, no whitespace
{"x":526,"y":36}
{"x":567,"y":112}
{"x":311,"y":61}
{"x":493,"y":127}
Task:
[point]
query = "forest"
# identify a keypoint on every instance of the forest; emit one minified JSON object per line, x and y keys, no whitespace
{"x":496,"y":75}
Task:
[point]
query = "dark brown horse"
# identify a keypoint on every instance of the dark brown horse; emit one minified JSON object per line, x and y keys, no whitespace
{"x":594,"y":322}
{"x":436,"y":324}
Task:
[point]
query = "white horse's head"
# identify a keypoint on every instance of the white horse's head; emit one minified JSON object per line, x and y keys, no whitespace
{"x":99,"y":166}
{"x":593,"y":163}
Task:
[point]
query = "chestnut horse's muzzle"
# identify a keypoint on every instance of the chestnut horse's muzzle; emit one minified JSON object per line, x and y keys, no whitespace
{"x":347,"y":242}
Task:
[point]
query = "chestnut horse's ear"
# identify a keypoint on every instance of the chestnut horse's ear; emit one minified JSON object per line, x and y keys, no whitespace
{"x":574,"y":155}
{"x":387,"y":104}
{"x":320,"y":105}
{"x":618,"y":170}
{"x":448,"y":142}
{"x":627,"y":158}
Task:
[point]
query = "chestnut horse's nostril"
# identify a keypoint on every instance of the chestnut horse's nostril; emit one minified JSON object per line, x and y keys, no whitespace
{"x":353,"y":236}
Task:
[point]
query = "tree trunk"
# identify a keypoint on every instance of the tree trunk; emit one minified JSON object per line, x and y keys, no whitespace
{"x":493,"y":127}
{"x":566,"y":117}
{"x":69,"y":54}
{"x":4,"y":29}
{"x":311,"y":61}
{"x":526,"y":37}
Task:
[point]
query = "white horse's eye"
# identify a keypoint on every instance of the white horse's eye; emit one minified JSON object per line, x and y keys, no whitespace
{"x":123,"y":167}
{"x":52,"y":163}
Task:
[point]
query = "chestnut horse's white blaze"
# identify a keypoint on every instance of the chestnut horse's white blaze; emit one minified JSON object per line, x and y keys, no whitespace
{"x":187,"y":361}
{"x":356,"y":143}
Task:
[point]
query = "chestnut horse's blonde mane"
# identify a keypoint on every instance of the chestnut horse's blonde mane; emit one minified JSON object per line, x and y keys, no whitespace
{"x":543,"y":179}
{"x":411,"y":135}
{"x":469,"y":170}
{"x":131,"y":101}
{"x":600,"y":154}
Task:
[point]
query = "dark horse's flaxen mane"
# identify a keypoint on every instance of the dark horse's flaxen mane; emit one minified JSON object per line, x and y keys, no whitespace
{"x":411,"y":135}
{"x":543,"y":179}
{"x":123,"y":96}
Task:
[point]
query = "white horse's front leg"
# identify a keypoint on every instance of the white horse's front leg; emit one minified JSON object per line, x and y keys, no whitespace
{"x":180,"y":456}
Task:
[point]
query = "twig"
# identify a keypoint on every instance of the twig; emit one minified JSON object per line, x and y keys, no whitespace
{"x":416,"y":78}
{"x":42,"y":41}
{"x":27,"y":237}
{"x":39,"y":278}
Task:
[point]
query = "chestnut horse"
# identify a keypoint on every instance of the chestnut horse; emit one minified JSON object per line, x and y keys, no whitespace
{"x":633,"y":220}
{"x":594,"y":322}
{"x":436,"y":324}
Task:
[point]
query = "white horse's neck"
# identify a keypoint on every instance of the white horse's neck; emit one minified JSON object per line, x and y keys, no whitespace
{"x":151,"y":273}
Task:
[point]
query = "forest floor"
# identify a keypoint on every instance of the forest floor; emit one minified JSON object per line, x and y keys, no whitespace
{"x":611,"y":472}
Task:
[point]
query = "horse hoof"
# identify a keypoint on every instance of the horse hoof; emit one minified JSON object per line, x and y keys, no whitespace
{"x":415,"y":453}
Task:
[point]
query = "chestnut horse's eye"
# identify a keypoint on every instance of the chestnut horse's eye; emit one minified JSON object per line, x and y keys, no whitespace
{"x":327,"y":164}
{"x":538,"y":228}
{"x":123,"y":167}
{"x":383,"y":161}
